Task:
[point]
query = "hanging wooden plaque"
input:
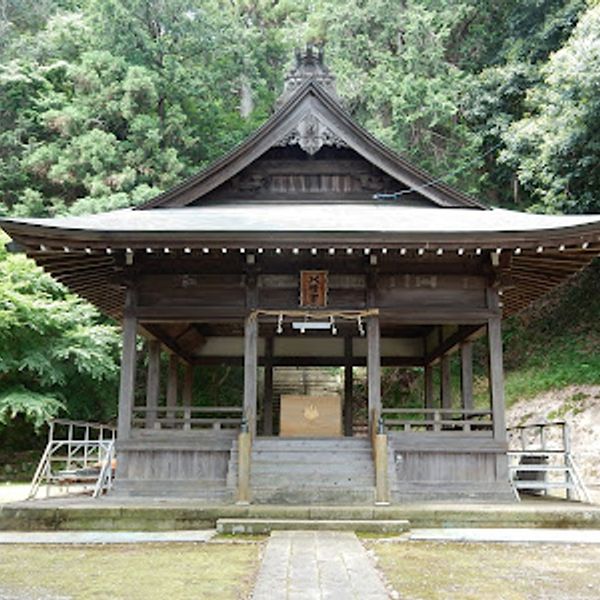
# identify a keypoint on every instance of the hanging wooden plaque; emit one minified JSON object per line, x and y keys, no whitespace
{"x":313,"y":289}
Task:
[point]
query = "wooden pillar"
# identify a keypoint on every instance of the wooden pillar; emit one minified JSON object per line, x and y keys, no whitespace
{"x":446,"y":381}
{"x":250,"y":368}
{"x":128,"y":360}
{"x":382,"y":490}
{"x":172,"y":376}
{"x":496,"y":377}
{"x":268,"y":392}
{"x":428,"y":385}
{"x":348,"y":386}
{"x":374,"y":369}
{"x":466,"y":375}
{"x":153,"y":383}
{"x":188,"y":387}
{"x":244,"y":465}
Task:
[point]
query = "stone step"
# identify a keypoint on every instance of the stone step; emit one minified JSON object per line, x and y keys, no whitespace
{"x":319,"y":495}
{"x":311,"y":468}
{"x":315,"y":444}
{"x":259,"y":483}
{"x":324,"y":458}
{"x":254,"y":526}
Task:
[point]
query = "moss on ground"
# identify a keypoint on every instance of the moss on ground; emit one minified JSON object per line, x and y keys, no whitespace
{"x":130,"y":572}
{"x":454,"y":571}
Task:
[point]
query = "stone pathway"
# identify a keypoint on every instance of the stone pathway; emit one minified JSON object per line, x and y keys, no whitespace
{"x":317,"y":565}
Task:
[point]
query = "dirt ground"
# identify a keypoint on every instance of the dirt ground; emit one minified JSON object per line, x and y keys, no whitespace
{"x":461,"y":571}
{"x":128,"y":572}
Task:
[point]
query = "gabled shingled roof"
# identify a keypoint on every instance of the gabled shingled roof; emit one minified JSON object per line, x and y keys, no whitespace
{"x":312,"y":98}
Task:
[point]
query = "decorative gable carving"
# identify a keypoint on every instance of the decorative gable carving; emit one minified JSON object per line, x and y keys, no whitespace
{"x":311,"y":135}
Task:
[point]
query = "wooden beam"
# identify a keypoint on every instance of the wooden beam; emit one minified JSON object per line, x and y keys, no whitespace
{"x":466,"y":375}
{"x":168,"y":342}
{"x":128,"y":363}
{"x":448,"y":344}
{"x":268,"y":388}
{"x":250,"y":368}
{"x":312,"y":361}
{"x":348,"y":387}
{"x":153,"y":382}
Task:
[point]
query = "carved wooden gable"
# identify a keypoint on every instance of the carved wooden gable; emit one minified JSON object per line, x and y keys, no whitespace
{"x":311,"y":149}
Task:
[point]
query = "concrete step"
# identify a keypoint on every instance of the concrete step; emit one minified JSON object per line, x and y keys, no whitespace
{"x":254,"y":526}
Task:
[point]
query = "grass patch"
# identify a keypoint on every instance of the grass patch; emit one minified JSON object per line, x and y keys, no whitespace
{"x":448,"y":571}
{"x":130,"y":572}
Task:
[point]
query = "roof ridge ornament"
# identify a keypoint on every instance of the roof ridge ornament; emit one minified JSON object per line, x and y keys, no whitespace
{"x":309,"y":65}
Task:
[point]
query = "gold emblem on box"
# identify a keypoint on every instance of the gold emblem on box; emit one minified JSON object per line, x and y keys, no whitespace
{"x":311,"y":412}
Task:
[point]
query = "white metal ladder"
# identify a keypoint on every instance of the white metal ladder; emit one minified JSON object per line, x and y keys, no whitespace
{"x":77,"y":452}
{"x":540,"y":460}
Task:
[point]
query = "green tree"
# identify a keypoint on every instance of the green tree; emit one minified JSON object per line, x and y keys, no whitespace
{"x":555,"y":147}
{"x":56,"y":354}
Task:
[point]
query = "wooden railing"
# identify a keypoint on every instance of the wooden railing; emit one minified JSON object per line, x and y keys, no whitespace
{"x":187,"y":417}
{"x":437,"y":420}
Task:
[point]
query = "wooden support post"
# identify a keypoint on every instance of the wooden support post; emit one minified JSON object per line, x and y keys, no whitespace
{"x":250,"y":367}
{"x":496,"y":375}
{"x":466,"y":375}
{"x":172,"y":384}
{"x":374,"y":370}
{"x":152,"y":383}
{"x":268,"y":388}
{"x":496,"y":378}
{"x":428,"y":385}
{"x":128,"y":361}
{"x":382,"y":492}
{"x":348,"y":387}
{"x":446,"y":381}
{"x":188,"y":388}
{"x":244,"y":458}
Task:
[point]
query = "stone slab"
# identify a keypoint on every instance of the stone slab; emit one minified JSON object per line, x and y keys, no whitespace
{"x":252,"y":526}
{"x":105,"y":537}
{"x":128,"y":514}
{"x":508,"y":535}
{"x":317,"y":565}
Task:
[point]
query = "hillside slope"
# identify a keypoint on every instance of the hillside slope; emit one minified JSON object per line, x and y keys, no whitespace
{"x":556,"y":343}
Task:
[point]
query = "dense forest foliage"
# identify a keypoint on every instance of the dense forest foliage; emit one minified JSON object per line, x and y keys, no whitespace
{"x":105,"y":103}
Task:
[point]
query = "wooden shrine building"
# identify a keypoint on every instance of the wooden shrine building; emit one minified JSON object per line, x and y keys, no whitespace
{"x":310,"y":244}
